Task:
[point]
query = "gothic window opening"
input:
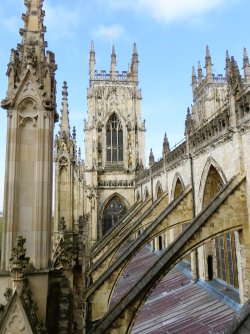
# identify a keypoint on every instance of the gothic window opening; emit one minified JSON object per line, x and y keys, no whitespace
{"x":178,"y":188}
{"x":114,"y":140}
{"x":113,"y":212}
{"x":159,"y":191}
{"x":226,"y":262}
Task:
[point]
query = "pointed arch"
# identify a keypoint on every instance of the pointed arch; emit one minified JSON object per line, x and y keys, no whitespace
{"x":138,"y":196}
{"x":146,"y":193}
{"x":223,"y":247}
{"x":212,"y":179}
{"x":178,"y":185}
{"x":114,"y":140}
{"x":158,"y":189}
{"x":113,"y":210}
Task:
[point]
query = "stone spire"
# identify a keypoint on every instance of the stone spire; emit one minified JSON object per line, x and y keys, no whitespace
{"x":151,"y":158}
{"x":64,"y":124}
{"x":246,"y":66}
{"x":134,"y":64}
{"x":74,"y":133}
{"x":194,"y":79}
{"x":92,"y":61}
{"x":208,"y":65}
{"x":228,"y":65}
{"x":33,"y":31}
{"x":234,"y":78}
{"x":30,"y":98}
{"x":166,"y":148}
{"x":188,"y":122}
{"x":200,"y":74}
{"x":30,"y":55}
{"x":113,"y":64}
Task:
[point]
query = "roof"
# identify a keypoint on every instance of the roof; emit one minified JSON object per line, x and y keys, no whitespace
{"x":176,"y":305}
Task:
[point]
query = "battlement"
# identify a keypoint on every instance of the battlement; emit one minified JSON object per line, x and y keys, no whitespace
{"x":104,"y":75}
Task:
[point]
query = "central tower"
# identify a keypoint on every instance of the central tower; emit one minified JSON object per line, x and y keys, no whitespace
{"x":114,"y":142}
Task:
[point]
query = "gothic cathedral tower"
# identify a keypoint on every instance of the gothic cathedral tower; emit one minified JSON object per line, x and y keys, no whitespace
{"x":30,"y":105}
{"x":114,"y":142}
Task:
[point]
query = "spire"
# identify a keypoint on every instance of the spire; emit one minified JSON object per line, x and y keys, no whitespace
{"x":64,"y":125}
{"x":188,"y":122}
{"x":166,"y":148}
{"x":151,"y":158}
{"x":228,"y":65}
{"x":30,"y":54}
{"x":209,"y":65}
{"x":79,"y":155}
{"x":246,"y":66}
{"x":134,"y":64}
{"x":194,"y":80}
{"x":33,"y":32}
{"x":200,"y":74}
{"x":113,"y":64}
{"x":74,"y":133}
{"x":234,"y":77}
{"x":92,"y":61}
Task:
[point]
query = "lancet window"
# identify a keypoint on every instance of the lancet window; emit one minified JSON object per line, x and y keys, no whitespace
{"x":114,"y":140}
{"x":113,"y":212}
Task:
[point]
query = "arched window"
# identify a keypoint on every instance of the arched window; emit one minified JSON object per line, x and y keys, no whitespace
{"x":225,"y":251}
{"x":114,"y":140}
{"x":159,"y":191}
{"x":178,"y":188}
{"x":113,"y":212}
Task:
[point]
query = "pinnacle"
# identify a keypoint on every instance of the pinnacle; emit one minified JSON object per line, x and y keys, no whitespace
{"x":193,"y":72}
{"x":207,"y":52}
{"x":92,"y":46}
{"x":134,"y":49}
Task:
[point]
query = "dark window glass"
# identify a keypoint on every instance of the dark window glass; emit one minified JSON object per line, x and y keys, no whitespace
{"x":114,"y":140}
{"x":113,"y":212}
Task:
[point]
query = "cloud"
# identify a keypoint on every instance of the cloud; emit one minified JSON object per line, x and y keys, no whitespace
{"x":113,"y":31}
{"x":168,"y":11}
{"x":61,"y":20}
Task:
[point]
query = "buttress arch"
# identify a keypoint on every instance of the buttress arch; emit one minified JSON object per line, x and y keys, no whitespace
{"x":158,"y":190}
{"x":213,"y":174}
{"x":177,"y":186}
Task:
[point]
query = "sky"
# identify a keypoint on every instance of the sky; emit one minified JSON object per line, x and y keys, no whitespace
{"x":171,"y":37}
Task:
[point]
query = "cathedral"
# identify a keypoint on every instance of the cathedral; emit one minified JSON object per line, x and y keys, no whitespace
{"x":128,"y":248}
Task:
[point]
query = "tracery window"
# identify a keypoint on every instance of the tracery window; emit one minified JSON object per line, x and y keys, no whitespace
{"x":114,"y":140}
{"x":113,"y":212}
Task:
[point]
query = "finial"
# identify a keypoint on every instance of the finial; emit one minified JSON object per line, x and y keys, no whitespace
{"x":166,"y":147}
{"x":134,"y":49}
{"x":65,"y":90}
{"x":209,"y":65}
{"x":188,"y":122}
{"x":134,"y":64}
{"x":79,"y":155}
{"x":92,"y":61}
{"x":193,"y":72}
{"x":200,"y":74}
{"x":113,"y":64}
{"x":207,"y":52}
{"x":194,"y":80}
{"x":151,"y":158}
{"x":74,"y":133}
{"x":92,"y":46}
{"x":64,"y":126}
{"x":246,"y":66}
